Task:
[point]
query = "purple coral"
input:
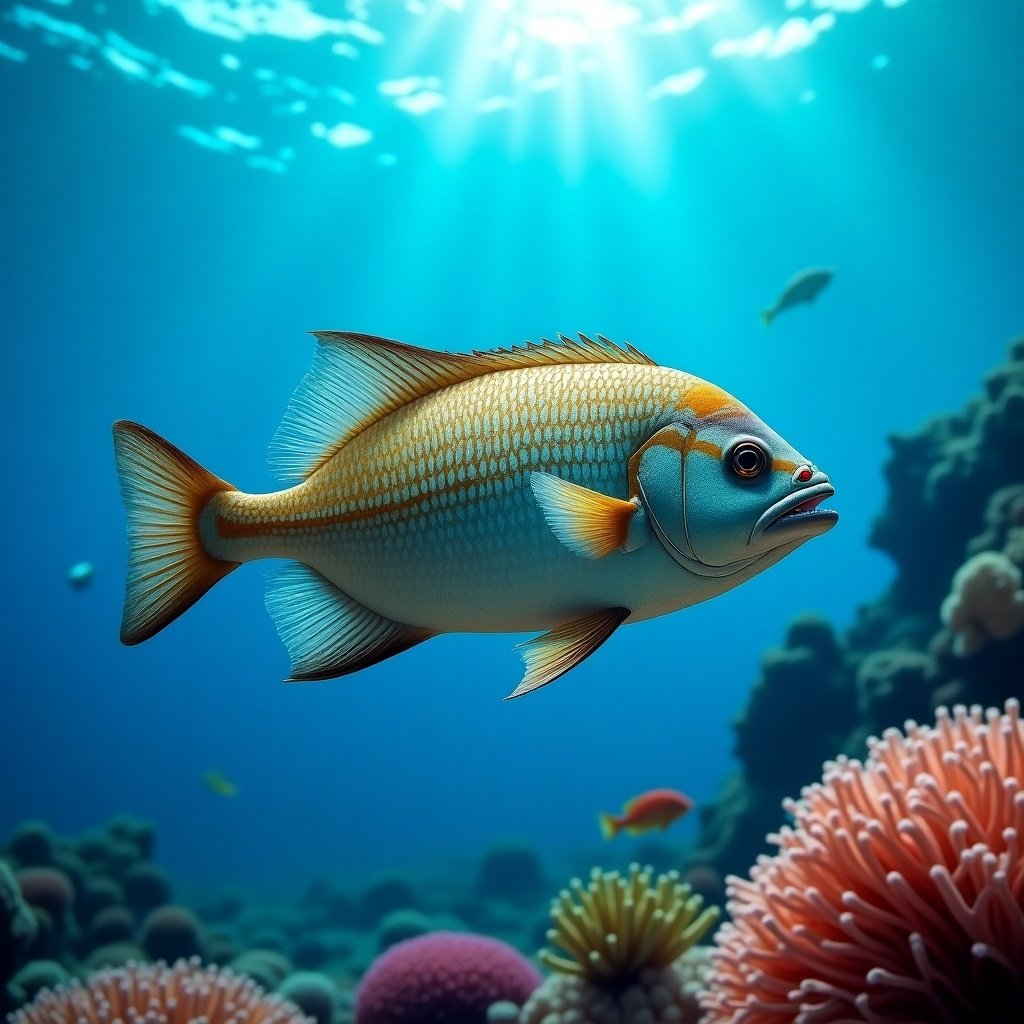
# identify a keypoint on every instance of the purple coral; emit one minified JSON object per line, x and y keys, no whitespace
{"x":443,"y":978}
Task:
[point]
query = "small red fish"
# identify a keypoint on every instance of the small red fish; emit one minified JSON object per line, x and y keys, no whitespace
{"x":657,"y":808}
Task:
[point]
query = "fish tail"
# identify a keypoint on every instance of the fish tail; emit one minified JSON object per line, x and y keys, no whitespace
{"x":609,"y":825}
{"x":767,"y":316}
{"x":164,"y":493}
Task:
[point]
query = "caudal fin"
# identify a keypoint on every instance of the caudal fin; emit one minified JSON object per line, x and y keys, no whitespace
{"x":767,"y":316}
{"x":164,"y":492}
{"x":609,"y":826}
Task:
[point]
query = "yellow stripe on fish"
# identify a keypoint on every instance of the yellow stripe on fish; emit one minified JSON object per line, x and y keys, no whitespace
{"x":568,"y":486}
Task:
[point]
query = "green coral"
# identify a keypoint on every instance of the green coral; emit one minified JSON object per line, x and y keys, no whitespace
{"x":615,"y":927}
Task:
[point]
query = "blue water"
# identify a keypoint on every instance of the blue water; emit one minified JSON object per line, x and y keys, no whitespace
{"x":159,"y":268}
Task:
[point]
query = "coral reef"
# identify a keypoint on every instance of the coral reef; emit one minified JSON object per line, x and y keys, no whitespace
{"x":36,"y":976}
{"x":111,"y":924}
{"x":99,"y":902}
{"x":953,"y":520}
{"x":69,"y":907}
{"x":382,"y":896}
{"x":171,"y":933}
{"x":312,"y":993}
{"x":614,"y":927}
{"x":810,"y":672}
{"x":182,"y":994}
{"x":94,"y":893}
{"x":1004,"y":525}
{"x":512,"y":872}
{"x":18,"y":926}
{"x":503,"y":1012}
{"x":893,"y":686}
{"x":114,"y":954}
{"x":267,"y":967}
{"x":971,"y":501}
{"x":443,"y":978}
{"x":706,"y":883}
{"x":898,"y":892}
{"x":48,"y":889}
{"x":986,"y":603}
{"x":400,"y":925}
{"x":941,"y":478}
{"x":32,"y":843}
{"x":145,"y":887}
{"x":666,"y":996}
{"x":624,"y":943}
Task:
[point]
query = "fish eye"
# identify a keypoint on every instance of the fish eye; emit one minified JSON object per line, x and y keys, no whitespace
{"x":748,"y":459}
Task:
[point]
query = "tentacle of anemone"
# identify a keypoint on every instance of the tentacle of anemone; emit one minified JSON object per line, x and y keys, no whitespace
{"x":924,"y":838}
{"x":157,"y":994}
{"x":614,"y":927}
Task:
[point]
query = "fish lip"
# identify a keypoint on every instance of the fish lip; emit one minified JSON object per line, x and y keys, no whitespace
{"x":810,"y":521}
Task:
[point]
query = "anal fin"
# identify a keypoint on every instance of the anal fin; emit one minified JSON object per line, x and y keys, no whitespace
{"x":328,"y":633}
{"x":554,"y":653}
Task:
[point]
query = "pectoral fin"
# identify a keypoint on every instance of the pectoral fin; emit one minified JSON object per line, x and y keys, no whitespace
{"x":328,"y":633}
{"x":587,"y":522}
{"x":553,"y":653}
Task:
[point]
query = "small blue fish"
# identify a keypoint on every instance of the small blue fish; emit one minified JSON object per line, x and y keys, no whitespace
{"x":80,"y":574}
{"x":800,"y":288}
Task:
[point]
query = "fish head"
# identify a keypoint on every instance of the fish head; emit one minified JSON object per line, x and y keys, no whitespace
{"x":725,"y":493}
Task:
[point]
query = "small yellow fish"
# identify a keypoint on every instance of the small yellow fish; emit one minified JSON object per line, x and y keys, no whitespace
{"x":569,"y":486}
{"x":219,"y":784}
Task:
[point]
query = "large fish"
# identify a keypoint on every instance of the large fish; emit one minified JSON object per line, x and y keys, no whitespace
{"x":799,"y":289}
{"x":568,"y":486}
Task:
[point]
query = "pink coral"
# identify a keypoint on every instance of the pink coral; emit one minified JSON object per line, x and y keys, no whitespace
{"x":898,"y":893}
{"x":183,"y":994}
{"x":443,"y":978}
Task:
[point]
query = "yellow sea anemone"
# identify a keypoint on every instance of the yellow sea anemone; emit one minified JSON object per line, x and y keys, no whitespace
{"x":614,"y":928}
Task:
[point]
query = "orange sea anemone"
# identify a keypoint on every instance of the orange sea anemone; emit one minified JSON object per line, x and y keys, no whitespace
{"x":183,"y":994}
{"x":897,"y":894}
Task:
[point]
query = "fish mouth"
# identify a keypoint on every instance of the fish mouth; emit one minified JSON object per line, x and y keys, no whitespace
{"x":798,"y":514}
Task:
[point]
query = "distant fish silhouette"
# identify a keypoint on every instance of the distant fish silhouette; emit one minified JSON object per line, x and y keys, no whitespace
{"x":657,"y":808}
{"x":80,"y":574}
{"x":220,"y":784}
{"x":800,"y":288}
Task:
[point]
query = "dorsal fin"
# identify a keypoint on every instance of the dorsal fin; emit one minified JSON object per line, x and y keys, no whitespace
{"x":357,"y":379}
